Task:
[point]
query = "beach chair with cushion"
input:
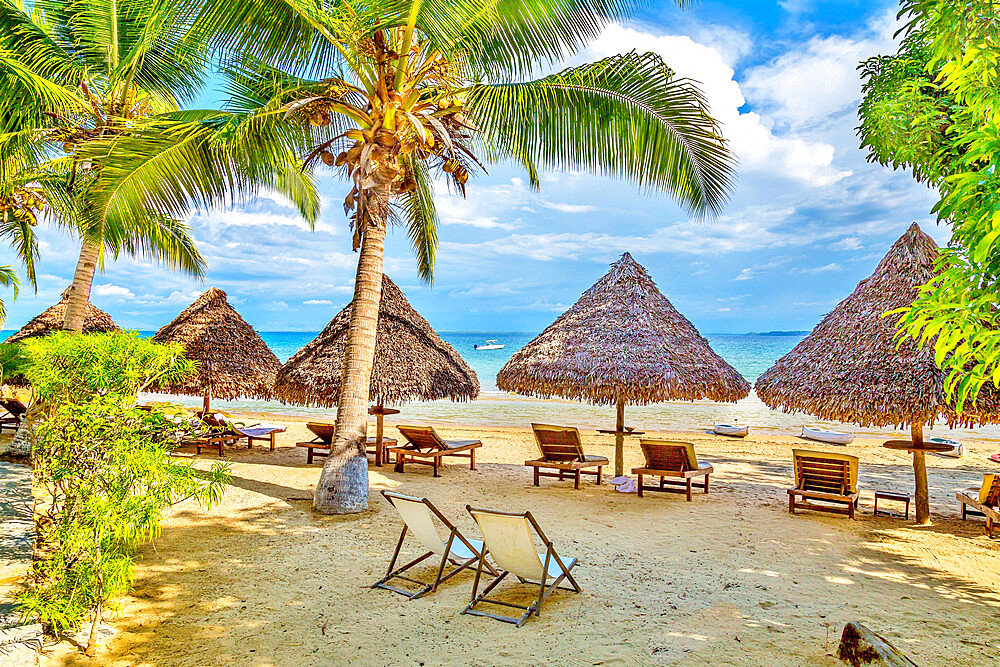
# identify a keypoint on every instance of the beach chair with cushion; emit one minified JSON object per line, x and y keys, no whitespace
{"x":509,"y":541}
{"x":562,"y":450}
{"x":418,"y":519}
{"x":258,"y":431}
{"x":676,"y":465}
{"x":320,"y":445}
{"x":984,"y":501}
{"x":426,"y":447}
{"x":826,"y":477}
{"x":15,"y":413}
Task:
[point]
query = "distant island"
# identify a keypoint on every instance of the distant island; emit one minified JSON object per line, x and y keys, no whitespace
{"x":778,"y":333}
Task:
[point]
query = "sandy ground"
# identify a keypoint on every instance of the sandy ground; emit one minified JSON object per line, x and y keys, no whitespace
{"x":730,"y":578}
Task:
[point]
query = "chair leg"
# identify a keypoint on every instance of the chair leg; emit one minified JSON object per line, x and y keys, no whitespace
{"x":437,"y":460}
{"x":639,"y":491}
{"x":472,"y":459}
{"x":576,"y":479}
{"x":599,"y":468}
{"x":688,"y":489}
{"x":706,"y":484}
{"x":309,"y":456}
{"x":791,"y":504}
{"x":536,"y":475}
{"x":963,"y":511}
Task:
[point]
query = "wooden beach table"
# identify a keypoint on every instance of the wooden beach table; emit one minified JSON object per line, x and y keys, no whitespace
{"x":620,"y":431}
{"x":380,"y":411}
{"x":919,"y":448}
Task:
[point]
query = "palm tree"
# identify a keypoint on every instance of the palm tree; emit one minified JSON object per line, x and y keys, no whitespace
{"x":77,"y":77}
{"x":400,"y":92}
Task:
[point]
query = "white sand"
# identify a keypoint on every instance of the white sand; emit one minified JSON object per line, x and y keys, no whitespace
{"x":730,"y":578}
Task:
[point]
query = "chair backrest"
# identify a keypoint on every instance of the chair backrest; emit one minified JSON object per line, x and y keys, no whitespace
{"x":322,"y":430}
{"x":14,"y":406}
{"x":421,"y":437}
{"x":508,"y":537}
{"x":669,"y":455}
{"x":825,"y":472}
{"x":989,"y":492}
{"x":558,"y":443}
{"x":418,"y":514}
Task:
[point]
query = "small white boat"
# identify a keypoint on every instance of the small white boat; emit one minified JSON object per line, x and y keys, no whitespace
{"x":491,"y":344}
{"x":732,"y":430}
{"x":826,"y":435}
{"x":957,"y":449}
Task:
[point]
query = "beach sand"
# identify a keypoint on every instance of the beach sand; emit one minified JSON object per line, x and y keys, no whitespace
{"x":730,"y":578}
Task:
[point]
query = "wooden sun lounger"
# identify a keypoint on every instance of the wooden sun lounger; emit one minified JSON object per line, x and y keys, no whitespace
{"x":676,"y":465}
{"x":984,"y":501}
{"x":244,"y":431}
{"x":827,"y":477}
{"x":426,"y":447}
{"x":15,"y":413}
{"x":320,"y":445}
{"x":220,"y":437}
{"x":562,"y":450}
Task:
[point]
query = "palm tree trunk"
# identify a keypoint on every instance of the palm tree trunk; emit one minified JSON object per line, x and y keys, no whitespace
{"x":343,"y":485}
{"x":79,"y":291}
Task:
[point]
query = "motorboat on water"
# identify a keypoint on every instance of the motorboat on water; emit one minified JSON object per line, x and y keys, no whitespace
{"x":491,"y":344}
{"x":826,"y":435}
{"x":732,"y":430}
{"x":957,"y":450}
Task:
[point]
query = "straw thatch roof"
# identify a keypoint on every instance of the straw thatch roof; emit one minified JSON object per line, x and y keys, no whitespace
{"x":622,"y":339}
{"x":849,"y":368}
{"x":51,"y":319}
{"x":411,"y":361}
{"x":235,"y":361}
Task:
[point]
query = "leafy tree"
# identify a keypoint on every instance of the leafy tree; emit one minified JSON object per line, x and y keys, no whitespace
{"x":101,"y":470}
{"x":78,"y":75}
{"x":933,"y":108}
{"x":401,"y":93}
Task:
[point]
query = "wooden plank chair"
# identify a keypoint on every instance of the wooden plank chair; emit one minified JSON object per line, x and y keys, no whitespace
{"x":15,"y":413}
{"x":675,"y":463}
{"x":426,"y":447}
{"x":509,"y":541}
{"x":258,"y":431}
{"x":562,"y":450}
{"x":418,"y":519}
{"x":827,"y":477}
{"x":984,"y":501}
{"x":320,"y":445}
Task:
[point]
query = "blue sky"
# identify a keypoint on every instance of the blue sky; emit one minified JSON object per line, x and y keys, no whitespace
{"x":808,"y":220}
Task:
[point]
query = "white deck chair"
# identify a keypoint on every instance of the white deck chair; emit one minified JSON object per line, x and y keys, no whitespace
{"x":509,"y":541}
{"x":418,"y":517}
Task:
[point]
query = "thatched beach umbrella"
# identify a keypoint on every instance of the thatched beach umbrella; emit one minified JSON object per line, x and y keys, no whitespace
{"x":235,"y":361}
{"x":850,"y":368}
{"x":51,"y":319}
{"x":412,"y":363}
{"x":622,"y":343}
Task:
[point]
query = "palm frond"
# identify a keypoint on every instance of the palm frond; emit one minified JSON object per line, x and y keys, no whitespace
{"x":155,"y":236}
{"x":626,"y":116}
{"x":8,"y":278}
{"x":421,"y":219}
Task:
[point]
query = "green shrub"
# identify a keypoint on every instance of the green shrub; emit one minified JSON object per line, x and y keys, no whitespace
{"x":103,"y":470}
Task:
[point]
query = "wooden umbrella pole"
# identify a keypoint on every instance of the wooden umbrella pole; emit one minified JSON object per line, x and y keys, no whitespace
{"x":922,"y":500}
{"x":378,"y":433}
{"x":620,"y":439}
{"x":205,"y":402}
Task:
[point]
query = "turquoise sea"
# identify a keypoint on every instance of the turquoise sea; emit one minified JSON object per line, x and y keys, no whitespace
{"x":750,"y":354}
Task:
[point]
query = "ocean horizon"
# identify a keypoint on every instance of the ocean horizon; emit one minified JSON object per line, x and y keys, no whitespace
{"x":750,"y":354}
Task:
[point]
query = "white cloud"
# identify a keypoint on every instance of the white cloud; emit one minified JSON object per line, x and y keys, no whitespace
{"x":848,"y":243}
{"x":826,"y":268}
{"x":318,"y":302}
{"x":114,"y":292}
{"x":745,"y":274}
{"x":750,"y":135}
{"x":569,"y":208}
{"x":809,"y":85}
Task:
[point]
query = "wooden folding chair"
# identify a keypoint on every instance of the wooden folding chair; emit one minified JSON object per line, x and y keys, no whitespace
{"x":320,"y":445}
{"x":984,"y":501}
{"x":825,"y":481}
{"x":675,"y":463}
{"x":423,"y":443}
{"x":15,"y":413}
{"x":510,"y":534}
{"x":418,"y":518}
{"x":562,"y":450}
